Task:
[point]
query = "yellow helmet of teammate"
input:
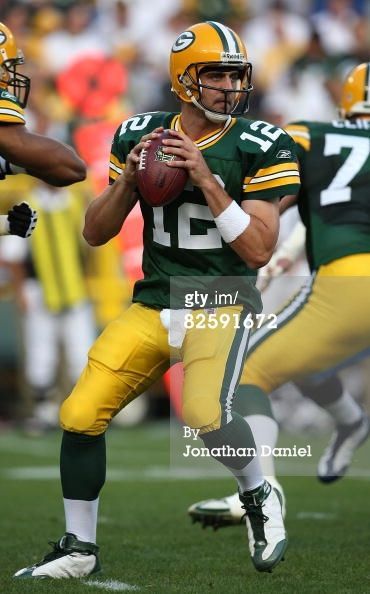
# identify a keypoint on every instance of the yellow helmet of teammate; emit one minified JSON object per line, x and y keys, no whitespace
{"x":210,"y":45}
{"x":355,"y":97}
{"x":10,"y":58}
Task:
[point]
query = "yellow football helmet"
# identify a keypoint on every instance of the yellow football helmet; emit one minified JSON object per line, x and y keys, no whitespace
{"x":10,"y":58}
{"x":355,"y":97}
{"x":204,"y":45}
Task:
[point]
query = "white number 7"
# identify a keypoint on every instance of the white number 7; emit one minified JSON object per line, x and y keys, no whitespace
{"x":339,"y":189}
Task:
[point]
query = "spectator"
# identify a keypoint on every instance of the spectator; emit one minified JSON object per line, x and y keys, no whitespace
{"x":51,"y":294}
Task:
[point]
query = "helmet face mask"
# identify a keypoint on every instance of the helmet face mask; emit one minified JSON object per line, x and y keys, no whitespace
{"x":10,"y":58}
{"x":205,"y":47}
{"x":236,"y":101}
{"x":355,"y":97}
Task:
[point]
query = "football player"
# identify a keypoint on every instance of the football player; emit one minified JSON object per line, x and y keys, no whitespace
{"x":20,"y":150}
{"x":223,"y":226}
{"x":326,"y":325}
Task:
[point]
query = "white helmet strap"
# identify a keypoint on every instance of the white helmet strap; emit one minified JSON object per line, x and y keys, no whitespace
{"x":210,"y":115}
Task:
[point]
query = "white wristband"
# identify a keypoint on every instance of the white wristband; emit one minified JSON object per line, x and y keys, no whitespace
{"x":232,"y":222}
{"x":4,"y":225}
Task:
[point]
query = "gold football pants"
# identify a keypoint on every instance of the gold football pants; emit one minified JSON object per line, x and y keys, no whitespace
{"x":133,"y":352}
{"x":326,"y":323}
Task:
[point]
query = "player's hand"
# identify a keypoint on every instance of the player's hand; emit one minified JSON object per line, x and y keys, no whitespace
{"x":275,"y":268}
{"x":182,"y":145}
{"x":22,"y":220}
{"x":133,"y":157}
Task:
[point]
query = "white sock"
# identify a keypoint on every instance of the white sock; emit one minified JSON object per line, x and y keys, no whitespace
{"x":250,"y":477}
{"x":82,"y":518}
{"x":345,"y":410}
{"x":265,"y":432}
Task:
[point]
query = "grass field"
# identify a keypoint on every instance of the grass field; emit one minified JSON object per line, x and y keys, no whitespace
{"x":147,"y":541}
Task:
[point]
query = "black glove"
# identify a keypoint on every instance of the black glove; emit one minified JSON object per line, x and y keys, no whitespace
{"x":22,"y":220}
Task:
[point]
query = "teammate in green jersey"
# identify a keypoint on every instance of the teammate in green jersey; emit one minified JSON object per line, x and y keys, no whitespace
{"x":225,"y":224}
{"x":326,"y":325}
{"x":22,"y":151}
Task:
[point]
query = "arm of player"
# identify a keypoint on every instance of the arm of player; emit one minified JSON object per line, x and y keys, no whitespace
{"x":106,"y":214}
{"x":287,"y":202}
{"x":256,"y":244}
{"x":42,"y":157}
{"x":251,"y":230}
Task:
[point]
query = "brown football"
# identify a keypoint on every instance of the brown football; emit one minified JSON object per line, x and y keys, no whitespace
{"x":159,"y":184}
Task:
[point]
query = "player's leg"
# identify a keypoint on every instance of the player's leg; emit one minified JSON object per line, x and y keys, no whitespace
{"x":213,"y":362}
{"x":252,"y":402}
{"x":325,"y":323}
{"x":352,"y":426}
{"x":255,"y":407}
{"x":78,"y":334}
{"x":41,"y":357}
{"x":130,"y":354}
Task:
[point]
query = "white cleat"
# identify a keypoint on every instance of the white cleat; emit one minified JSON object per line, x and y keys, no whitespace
{"x":338,"y":455}
{"x":266,"y":532}
{"x":70,"y":558}
{"x":227,"y":511}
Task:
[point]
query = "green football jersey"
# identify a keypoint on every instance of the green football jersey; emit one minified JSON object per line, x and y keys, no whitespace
{"x":252,"y":160}
{"x":334,"y":199}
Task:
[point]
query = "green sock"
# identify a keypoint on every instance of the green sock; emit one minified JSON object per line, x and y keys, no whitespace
{"x":82,"y":465}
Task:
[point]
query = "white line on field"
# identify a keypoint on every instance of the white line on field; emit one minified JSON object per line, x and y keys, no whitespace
{"x":111,"y":585}
{"x":152,"y":473}
{"x":313,"y":515}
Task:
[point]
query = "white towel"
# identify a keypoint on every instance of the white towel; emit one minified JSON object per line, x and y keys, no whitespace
{"x":174,"y":322}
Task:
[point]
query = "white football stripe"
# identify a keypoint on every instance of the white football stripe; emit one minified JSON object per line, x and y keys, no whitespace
{"x":262,"y":178}
{"x":12,"y":112}
{"x":233,"y":49}
{"x":299,"y":133}
{"x":115,"y":168}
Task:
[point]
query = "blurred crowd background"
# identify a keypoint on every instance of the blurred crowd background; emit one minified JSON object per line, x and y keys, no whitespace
{"x":94,"y":63}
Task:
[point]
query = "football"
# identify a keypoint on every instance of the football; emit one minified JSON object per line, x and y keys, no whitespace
{"x":159,"y":184}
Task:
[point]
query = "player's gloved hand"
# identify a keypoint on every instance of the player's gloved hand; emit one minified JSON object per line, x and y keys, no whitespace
{"x":22,"y":220}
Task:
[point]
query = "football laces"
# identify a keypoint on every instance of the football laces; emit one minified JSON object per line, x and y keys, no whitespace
{"x":142,"y":159}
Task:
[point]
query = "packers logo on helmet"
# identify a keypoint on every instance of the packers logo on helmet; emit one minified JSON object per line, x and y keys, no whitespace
{"x":183,"y":41}
{"x":10,"y":58}
{"x":210,"y":45}
{"x":355,"y":98}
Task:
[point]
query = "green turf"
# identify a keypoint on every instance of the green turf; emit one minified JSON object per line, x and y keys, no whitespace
{"x":147,"y":540}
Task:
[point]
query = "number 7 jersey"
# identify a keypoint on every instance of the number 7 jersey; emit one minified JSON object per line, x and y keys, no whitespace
{"x":252,"y":160}
{"x":334,"y":199}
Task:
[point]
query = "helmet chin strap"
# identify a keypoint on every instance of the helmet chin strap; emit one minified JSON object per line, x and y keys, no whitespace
{"x":213,"y":117}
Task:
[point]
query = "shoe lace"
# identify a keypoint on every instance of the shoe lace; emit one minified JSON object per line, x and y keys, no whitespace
{"x":254,"y":511}
{"x":56,"y":553}
{"x":253,"y":504}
